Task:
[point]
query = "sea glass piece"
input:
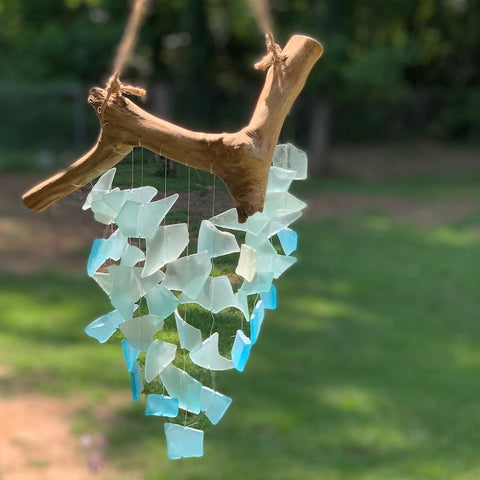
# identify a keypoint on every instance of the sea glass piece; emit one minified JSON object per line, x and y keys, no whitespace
{"x":261,"y":283}
{"x":281,"y":221}
{"x":188,"y":274}
{"x":183,"y":442}
{"x":214,"y":404}
{"x":281,"y":203}
{"x":104,"y":249}
{"x":291,"y":158}
{"x":241,"y":351}
{"x":207,"y":356}
{"x":181,"y":385}
{"x":269,"y":298}
{"x":103,"y":185}
{"x":165,"y":246}
{"x":139,"y":331}
{"x":130,"y":353}
{"x":123,"y":304}
{"x":137,"y":381}
{"x":161,"y":301}
{"x":216,"y":295}
{"x":130,"y":282}
{"x":229,"y":220}
{"x":131,"y":256}
{"x":261,"y":243}
{"x":242,"y":303}
{"x":279,"y":179}
{"x":104,"y":281}
{"x":277,"y":264}
{"x":256,"y":321}
{"x":247,"y":262}
{"x":214,"y":241}
{"x":105,"y":326}
{"x":116,"y":199}
{"x":141,"y":220}
{"x":161,"y":405}
{"x":159,"y":355}
{"x":190,"y":337}
{"x":101,"y":211}
{"x":288,"y":239}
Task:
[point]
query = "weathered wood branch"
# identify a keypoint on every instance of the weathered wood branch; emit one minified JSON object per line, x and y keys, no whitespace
{"x":242,"y":159}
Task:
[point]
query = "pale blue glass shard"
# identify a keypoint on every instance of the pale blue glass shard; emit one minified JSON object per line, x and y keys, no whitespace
{"x":161,"y":406}
{"x":102,"y":212}
{"x":242,"y":303}
{"x":280,"y":222}
{"x":188,"y":274}
{"x":104,"y":281}
{"x":256,"y":321}
{"x":104,"y":249}
{"x":207,"y":355}
{"x":116,"y":199}
{"x":279,"y":179}
{"x":291,"y":158}
{"x":103,"y":185}
{"x":241,"y":351}
{"x":189,"y":336}
{"x":261,"y":243}
{"x":269,"y":298}
{"x":130,"y":282}
{"x":159,"y":355}
{"x":183,"y":442}
{"x":137,"y":381}
{"x":130,"y":353}
{"x":165,"y":246}
{"x":131,"y":256}
{"x":105,"y":326}
{"x":214,"y":404}
{"x":247,"y":262}
{"x":161,"y":301}
{"x":123,"y":304}
{"x":258,"y":221}
{"x":142,"y":220}
{"x":277,"y":264}
{"x":214,"y":241}
{"x":181,"y":385}
{"x":261,"y":283}
{"x":282,"y":203}
{"x":288,"y":239}
{"x":216,"y":295}
{"x":229,"y":220}
{"x":139,"y":331}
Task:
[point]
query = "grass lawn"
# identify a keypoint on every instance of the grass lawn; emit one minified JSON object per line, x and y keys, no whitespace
{"x":368,"y":370}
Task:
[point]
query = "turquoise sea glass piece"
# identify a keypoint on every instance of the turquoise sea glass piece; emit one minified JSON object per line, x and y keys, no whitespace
{"x":139,"y":331}
{"x":288,"y":239}
{"x":277,"y":264}
{"x":161,"y":301}
{"x":141,"y":220}
{"x":129,"y":281}
{"x":261,"y":283}
{"x":214,"y":241}
{"x":269,"y":298}
{"x":291,"y":158}
{"x":130,"y":353}
{"x":181,"y":385}
{"x":161,"y":406}
{"x":279,"y":179}
{"x":137,"y":381}
{"x":261,"y":243}
{"x":103,"y":185}
{"x":165,"y":246}
{"x":190,"y":337}
{"x":116,"y":199}
{"x":104,"y":249}
{"x":280,"y":222}
{"x":105,"y":326}
{"x":183,"y":442}
{"x":207,"y":355}
{"x":188,"y":274}
{"x":214,"y":404}
{"x":256,"y":321}
{"x":247,"y":262}
{"x":159,"y":355}
{"x":131,"y":256}
{"x":241,"y":351}
{"x":242,"y":303}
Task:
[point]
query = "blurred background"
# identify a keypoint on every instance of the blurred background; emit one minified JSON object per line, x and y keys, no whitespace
{"x":369,"y":368}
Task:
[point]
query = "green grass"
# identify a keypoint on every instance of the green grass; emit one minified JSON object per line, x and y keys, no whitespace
{"x":368,"y":370}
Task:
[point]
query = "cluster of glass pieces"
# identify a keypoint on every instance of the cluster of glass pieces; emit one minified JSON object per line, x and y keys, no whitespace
{"x":158,"y":274}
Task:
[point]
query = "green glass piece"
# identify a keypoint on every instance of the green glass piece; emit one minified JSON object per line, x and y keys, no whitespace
{"x":261,"y":243}
{"x":162,"y":406}
{"x":207,"y":355}
{"x":101,"y":211}
{"x":104,"y":281}
{"x":103,"y":185}
{"x":139,"y":331}
{"x":129,"y":281}
{"x":242,"y":303}
{"x":214,"y":404}
{"x":261,"y":283}
{"x":183,"y":442}
{"x":123,"y":304}
{"x":214,"y":241}
{"x":277,"y":264}
{"x":165,"y":246}
{"x":131,"y":256}
{"x":159,"y":355}
{"x":161,"y":301}
{"x":276,"y":224}
{"x":189,"y":336}
{"x":282,"y":203}
{"x":247,"y":263}
{"x":279,"y":179}
{"x":117,"y":198}
{"x":216,"y":295}
{"x":289,"y":157}
{"x":229,"y":220}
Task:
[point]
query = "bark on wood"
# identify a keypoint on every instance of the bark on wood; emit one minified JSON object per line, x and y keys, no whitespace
{"x":242,"y":159}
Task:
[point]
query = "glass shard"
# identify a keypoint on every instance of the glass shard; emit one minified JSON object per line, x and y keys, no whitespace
{"x":103,"y":185}
{"x":102,"y":212}
{"x":189,"y":336}
{"x":161,"y":406}
{"x":131,"y":354}
{"x":269,"y":298}
{"x":104,"y":281}
{"x":207,"y":355}
{"x":214,"y":404}
{"x":102,"y":250}
{"x":279,"y":179}
{"x":131,"y":256}
{"x":291,"y":158}
{"x":117,"y":198}
{"x":229,"y":220}
{"x":183,"y":442}
{"x":282,"y":203}
{"x":139,"y":331}
{"x":256,"y":321}
{"x":288,"y":239}
{"x":261,"y":243}
{"x":214,"y":241}
{"x":161,"y":301}
{"x":241,"y":351}
{"x":181,"y":385}
{"x":122,"y":304}
{"x":247,"y":263}
{"x":129,"y":281}
{"x":105,"y":326}
{"x":137,"y":381}
{"x":165,"y":246}
{"x":280,"y":222}
{"x":277,"y":264}
{"x":261,"y":283}
{"x":159,"y":355}
{"x":242,"y":303}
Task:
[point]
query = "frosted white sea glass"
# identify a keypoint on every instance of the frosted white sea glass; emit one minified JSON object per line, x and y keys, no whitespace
{"x":183,"y":442}
{"x":161,"y":301}
{"x":288,"y":239}
{"x":188,"y":274}
{"x":190,"y":337}
{"x":247,"y":262}
{"x":165,"y":246}
{"x":130,"y":353}
{"x":277,"y":264}
{"x":130,"y":282}
{"x":105,"y":326}
{"x":279,"y":179}
{"x":116,"y":199}
{"x":256,"y":321}
{"x":214,"y":241}
{"x":181,"y":385}
{"x":137,"y":381}
{"x":207,"y":355}
{"x":161,"y":405}
{"x":216,"y":295}
{"x":291,"y":158}
{"x":261,"y":283}
{"x":131,"y":256}
{"x":104,"y":281}
{"x":103,"y":185}
{"x":159,"y":355}
{"x":104,"y":249}
{"x":241,"y":351}
{"x":139,"y":331}
{"x":214,"y":404}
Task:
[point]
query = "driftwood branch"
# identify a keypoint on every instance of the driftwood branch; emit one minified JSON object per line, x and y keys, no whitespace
{"x":242,"y":159}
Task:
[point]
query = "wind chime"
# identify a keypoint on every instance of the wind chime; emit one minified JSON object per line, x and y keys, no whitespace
{"x":146,"y":267}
